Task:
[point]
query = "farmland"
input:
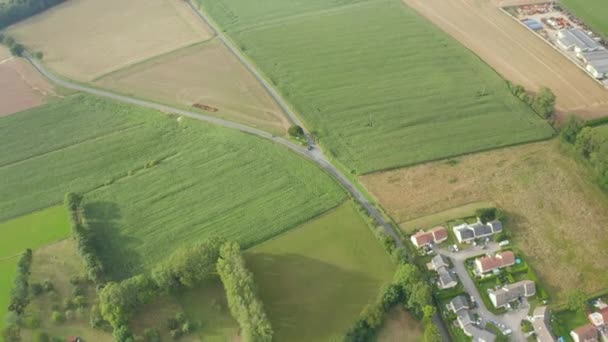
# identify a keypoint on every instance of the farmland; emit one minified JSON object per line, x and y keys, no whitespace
{"x":153,"y":181}
{"x":593,"y":12}
{"x":205,"y":74}
{"x":331,"y":262}
{"x":21,"y":87}
{"x":516,"y":53}
{"x":31,"y":231}
{"x":378,"y":103}
{"x":84,"y":39}
{"x":556,"y":214}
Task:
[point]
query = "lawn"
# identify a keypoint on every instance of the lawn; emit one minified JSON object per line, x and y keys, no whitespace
{"x":154,"y":181}
{"x":386,"y":88}
{"x":592,"y":12}
{"x":84,"y":39}
{"x":555,"y":213}
{"x":206,"y":74}
{"x":315,"y":280}
{"x":30,"y":231}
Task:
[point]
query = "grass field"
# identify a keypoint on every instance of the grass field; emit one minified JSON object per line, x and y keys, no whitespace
{"x":385,"y":88}
{"x":556,"y":214}
{"x":435,"y":219}
{"x":154,"y":181}
{"x":592,"y":12}
{"x":206,"y":74}
{"x":315,"y":280}
{"x":84,"y":39}
{"x":31,"y":231}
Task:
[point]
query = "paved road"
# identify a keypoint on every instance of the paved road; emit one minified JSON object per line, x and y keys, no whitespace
{"x":512,"y":319}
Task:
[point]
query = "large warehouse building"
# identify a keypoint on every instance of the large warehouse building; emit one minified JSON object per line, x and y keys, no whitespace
{"x":577,"y":40}
{"x":597,"y":63}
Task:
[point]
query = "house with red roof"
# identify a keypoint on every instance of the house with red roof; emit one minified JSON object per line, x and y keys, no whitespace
{"x":436,"y":235}
{"x":490,"y":263}
{"x":586,"y":333}
{"x":599,"y":318}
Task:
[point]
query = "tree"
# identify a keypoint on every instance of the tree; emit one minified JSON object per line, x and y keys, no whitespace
{"x":428,"y":311}
{"x":151,"y":335}
{"x":17,"y":50}
{"x":431,"y":333}
{"x":486,"y":214}
{"x":41,"y":336}
{"x":577,"y":301}
{"x":57,"y":317}
{"x":544,"y":103}
{"x":39,"y":55}
{"x":123,"y":334}
{"x":571,"y":128}
{"x":296,"y":131}
{"x":8,"y":41}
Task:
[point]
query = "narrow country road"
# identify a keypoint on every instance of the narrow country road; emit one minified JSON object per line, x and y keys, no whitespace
{"x":316,"y":155}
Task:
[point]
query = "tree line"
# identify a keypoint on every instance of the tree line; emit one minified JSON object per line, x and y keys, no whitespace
{"x":13,"y":11}
{"x":19,"y":297}
{"x":543,"y":103}
{"x":243,"y":301}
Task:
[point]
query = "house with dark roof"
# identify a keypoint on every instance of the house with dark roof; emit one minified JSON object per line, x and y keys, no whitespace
{"x":469,"y":232}
{"x":464,"y":318}
{"x":446,"y":279}
{"x":478,"y":334}
{"x":541,"y":322}
{"x":490,"y":263}
{"x":512,"y":292}
{"x":438,"y":262}
{"x":436,"y":235}
{"x":459,"y":303}
{"x":586,"y":333}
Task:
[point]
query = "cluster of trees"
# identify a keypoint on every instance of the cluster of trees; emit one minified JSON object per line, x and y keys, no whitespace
{"x":243,"y":302}
{"x":19,"y":297}
{"x":13,"y":11}
{"x":543,"y":103}
{"x":296,"y":131}
{"x":409,"y":289}
{"x":85,"y":238}
{"x":590,"y":143}
{"x":15,"y":48}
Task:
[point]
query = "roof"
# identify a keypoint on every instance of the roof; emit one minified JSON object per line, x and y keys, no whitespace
{"x":481,"y":229}
{"x":541,"y":325}
{"x":600,"y":317}
{"x":439,"y":261}
{"x":586,"y":333}
{"x":465,"y":318}
{"x":576,"y":37}
{"x":479,"y":335}
{"x":500,"y":260}
{"x":422,"y":238}
{"x":533,"y":24}
{"x":439,"y":233}
{"x":496,"y":226}
{"x":511,"y":292}
{"x":459,"y":303}
{"x":445,"y":277}
{"x":598,"y":60}
{"x":540,"y":311}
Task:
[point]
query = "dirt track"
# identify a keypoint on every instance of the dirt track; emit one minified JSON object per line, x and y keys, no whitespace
{"x":516,"y":53}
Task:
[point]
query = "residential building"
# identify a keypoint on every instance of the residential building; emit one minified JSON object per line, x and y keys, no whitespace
{"x":599,"y":318}
{"x":511,"y":292}
{"x":469,"y":232}
{"x":464,"y":318}
{"x":542,"y":323}
{"x":586,"y":333}
{"x":459,"y":303}
{"x":490,"y":263}
{"x":446,"y":279}
{"x":436,"y":235}
{"x":438,"y":262}
{"x":478,"y":334}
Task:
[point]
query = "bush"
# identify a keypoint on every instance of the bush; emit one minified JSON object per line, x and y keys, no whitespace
{"x":47,"y":285}
{"x":69,"y":315}
{"x":57,"y":317}
{"x":95,"y":318}
{"x":296,"y":131}
{"x":80,"y":301}
{"x":172,"y":323}
{"x":41,"y":336}
{"x":180,"y":317}
{"x":11,"y":333}
{"x":17,"y":50}
{"x":36,"y":289}
{"x":186,"y":328}
{"x":571,"y":128}
{"x":151,"y":335}
{"x":176,"y":334}
{"x":544,"y":103}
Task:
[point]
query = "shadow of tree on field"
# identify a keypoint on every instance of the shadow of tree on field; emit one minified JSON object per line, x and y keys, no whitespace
{"x":308,"y":299}
{"x":115,"y":249}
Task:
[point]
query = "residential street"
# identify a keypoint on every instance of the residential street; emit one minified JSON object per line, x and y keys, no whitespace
{"x":512,"y":319}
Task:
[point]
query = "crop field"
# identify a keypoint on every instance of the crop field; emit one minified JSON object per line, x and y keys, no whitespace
{"x":593,"y":12}
{"x":84,"y":39}
{"x":386,"y":88}
{"x":154,"y":181}
{"x":21,"y":87}
{"x":303,"y":276}
{"x":30,"y":231}
{"x":205,"y":74}
{"x":555,"y":213}
{"x":516,"y":53}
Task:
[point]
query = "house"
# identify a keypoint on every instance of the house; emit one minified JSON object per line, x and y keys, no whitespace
{"x":459,"y":303}
{"x":469,"y":232}
{"x":438,"y":262}
{"x":512,"y":292}
{"x":542,"y":323}
{"x":599,"y":318}
{"x":446,"y":279}
{"x":478,"y":334}
{"x":464,"y":318}
{"x":490,"y":263}
{"x":586,"y":333}
{"x":576,"y":40}
{"x":597,"y":63}
{"x":436,"y":235}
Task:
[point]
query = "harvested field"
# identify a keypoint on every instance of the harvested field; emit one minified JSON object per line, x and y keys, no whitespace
{"x":84,"y":39}
{"x":385,"y":88}
{"x":205,"y":76}
{"x":21,"y":86}
{"x":516,"y":53}
{"x":555,"y":213}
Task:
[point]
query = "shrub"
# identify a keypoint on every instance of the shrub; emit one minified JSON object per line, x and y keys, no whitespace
{"x":95,"y":318}
{"x":80,"y":301}
{"x":176,"y":334}
{"x":57,"y":317}
{"x":571,"y":128}
{"x":11,"y":333}
{"x":180,"y":317}
{"x":36,"y":289}
{"x":544,"y":103}
{"x":69,"y":315}
{"x":41,"y":336}
{"x":151,"y":335}
{"x":172,"y":323}
{"x":296,"y":131}
{"x":47,"y":285}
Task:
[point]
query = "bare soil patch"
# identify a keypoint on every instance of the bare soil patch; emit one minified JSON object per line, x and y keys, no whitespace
{"x":516,"y":53}
{"x":84,"y":39}
{"x":204,"y":76}
{"x":21,"y":86}
{"x":556,"y":214}
{"x":400,"y":326}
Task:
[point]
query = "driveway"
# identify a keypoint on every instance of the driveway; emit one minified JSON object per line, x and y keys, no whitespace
{"x":513,"y":318}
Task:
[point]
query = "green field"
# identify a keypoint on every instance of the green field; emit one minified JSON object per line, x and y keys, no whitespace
{"x":315,"y":280}
{"x":200,"y":180}
{"x":31,"y":231}
{"x":386,"y":88}
{"x":592,"y":12}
